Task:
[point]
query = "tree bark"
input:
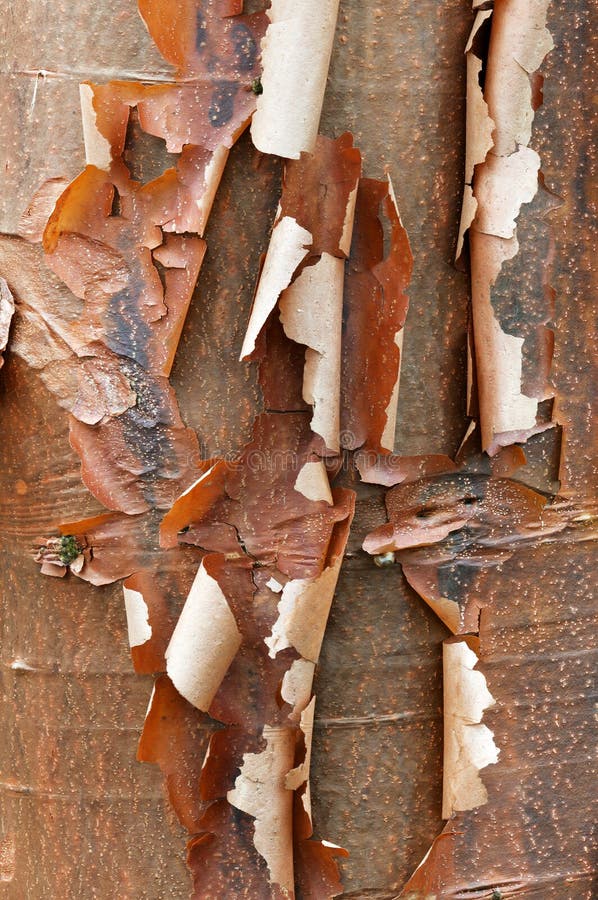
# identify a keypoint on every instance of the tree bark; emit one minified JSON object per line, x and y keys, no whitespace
{"x":80,"y":817}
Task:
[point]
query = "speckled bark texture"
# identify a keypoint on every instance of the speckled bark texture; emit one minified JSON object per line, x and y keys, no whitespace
{"x":79,"y":816}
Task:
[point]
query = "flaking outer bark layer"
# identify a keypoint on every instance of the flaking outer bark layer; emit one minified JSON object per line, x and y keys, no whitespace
{"x":464,"y":540}
{"x":513,"y":348}
{"x":73,"y":516}
{"x":379,"y":270}
{"x":7,"y":308}
{"x":303,"y":272}
{"x":262,"y":536}
{"x":533,"y":836}
{"x":80,"y":239}
{"x":431,"y":404}
{"x":296,"y":52}
{"x":74,"y":707}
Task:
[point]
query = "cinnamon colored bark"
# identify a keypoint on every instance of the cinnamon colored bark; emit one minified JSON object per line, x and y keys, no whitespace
{"x":79,"y":816}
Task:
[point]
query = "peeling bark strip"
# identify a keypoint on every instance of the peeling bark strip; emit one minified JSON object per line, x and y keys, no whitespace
{"x":465,"y":540}
{"x":513,"y":337}
{"x":468,"y":745}
{"x":351,"y":371}
{"x":204,"y":643}
{"x":295,"y":57}
{"x":275,"y":534}
{"x":304,"y":272}
{"x":247,"y":641}
{"x":7,"y":308}
{"x":375,"y":311}
{"x":269,"y":575}
{"x":275,"y":537}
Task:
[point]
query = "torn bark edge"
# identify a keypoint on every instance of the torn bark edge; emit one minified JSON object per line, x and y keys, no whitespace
{"x":261,"y":791}
{"x":395,"y":269}
{"x":478,"y":129}
{"x":374,"y":313}
{"x":311,"y":311}
{"x":296,"y":53}
{"x":7,"y":309}
{"x":390,"y":470}
{"x":205,"y":640}
{"x":304,"y":273}
{"x":468,"y":748}
{"x":103,"y":152}
{"x":468,"y":744}
{"x":305,"y":603}
{"x":501,"y":173}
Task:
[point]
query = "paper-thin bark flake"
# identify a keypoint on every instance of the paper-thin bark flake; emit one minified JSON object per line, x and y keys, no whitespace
{"x":391,"y":470}
{"x":289,"y":245}
{"x":204,"y":643}
{"x":375,"y":311}
{"x":261,"y":791}
{"x":216,"y":50}
{"x":175,"y":736}
{"x":303,"y":611}
{"x":312,"y":481}
{"x":311,"y":312}
{"x":7,"y":308}
{"x":296,"y":686}
{"x":267,"y":543}
{"x":478,"y":127}
{"x":468,"y":744}
{"x":303,"y":272}
{"x":162,"y":585}
{"x":296,"y":53}
{"x":299,"y":776}
{"x":140,"y":631}
{"x":502,"y":176}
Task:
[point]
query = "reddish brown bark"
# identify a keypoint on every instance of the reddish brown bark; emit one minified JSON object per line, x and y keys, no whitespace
{"x":80,"y":816}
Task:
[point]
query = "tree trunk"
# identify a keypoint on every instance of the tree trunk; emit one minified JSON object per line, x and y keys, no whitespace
{"x":80,"y":817}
